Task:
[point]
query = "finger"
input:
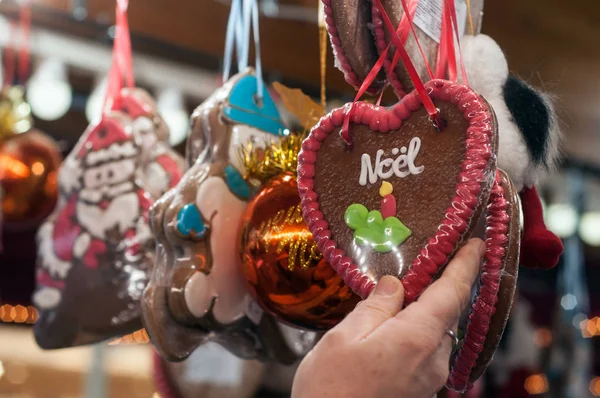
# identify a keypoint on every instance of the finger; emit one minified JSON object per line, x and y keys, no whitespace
{"x":448,"y":297}
{"x":447,"y":344}
{"x":385,"y":302}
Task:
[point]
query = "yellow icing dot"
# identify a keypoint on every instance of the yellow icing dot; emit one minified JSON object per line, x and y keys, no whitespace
{"x":386,"y":189}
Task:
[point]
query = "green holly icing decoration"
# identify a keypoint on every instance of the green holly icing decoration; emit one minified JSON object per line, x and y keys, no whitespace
{"x":370,"y":229}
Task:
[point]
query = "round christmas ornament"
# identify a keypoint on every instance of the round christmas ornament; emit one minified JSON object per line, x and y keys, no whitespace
{"x":197,"y":291}
{"x":15,"y":112}
{"x":29,"y":164}
{"x":284,"y":268}
{"x":95,"y":251}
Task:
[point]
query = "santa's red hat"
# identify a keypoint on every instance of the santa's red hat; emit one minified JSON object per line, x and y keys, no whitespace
{"x":107,"y":141}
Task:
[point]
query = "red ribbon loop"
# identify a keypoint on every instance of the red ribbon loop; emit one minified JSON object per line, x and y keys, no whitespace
{"x":23,"y":59}
{"x":446,"y":51}
{"x":121,"y":71}
{"x":410,"y":68}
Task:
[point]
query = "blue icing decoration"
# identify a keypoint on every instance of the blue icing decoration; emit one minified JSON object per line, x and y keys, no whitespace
{"x":242,"y":109}
{"x":236,"y":183}
{"x":189,"y":222}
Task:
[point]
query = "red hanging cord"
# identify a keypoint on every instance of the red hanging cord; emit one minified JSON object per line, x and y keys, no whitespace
{"x":452,"y":12}
{"x":9,"y":56}
{"x":410,"y":68}
{"x":22,"y":61}
{"x":447,"y":61}
{"x":124,"y":39}
{"x":24,"y":57}
{"x":407,"y":18}
{"x":410,"y":15}
{"x":121,"y":71}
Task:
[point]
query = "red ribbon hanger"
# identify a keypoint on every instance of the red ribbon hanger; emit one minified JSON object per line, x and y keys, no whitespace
{"x":446,"y":51}
{"x":121,"y":71}
{"x":23,"y":59}
{"x":410,"y":68}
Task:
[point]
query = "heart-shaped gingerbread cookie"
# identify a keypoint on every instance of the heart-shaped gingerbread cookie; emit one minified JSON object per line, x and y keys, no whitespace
{"x":405,"y":196}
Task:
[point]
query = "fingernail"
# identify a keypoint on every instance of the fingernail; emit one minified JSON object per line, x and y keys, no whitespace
{"x":387,"y":286}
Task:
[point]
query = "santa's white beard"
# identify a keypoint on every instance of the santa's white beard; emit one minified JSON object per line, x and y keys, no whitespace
{"x":96,"y":195}
{"x":122,"y":212}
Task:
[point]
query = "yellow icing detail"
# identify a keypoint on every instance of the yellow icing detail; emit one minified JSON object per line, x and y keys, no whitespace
{"x":386,"y":189}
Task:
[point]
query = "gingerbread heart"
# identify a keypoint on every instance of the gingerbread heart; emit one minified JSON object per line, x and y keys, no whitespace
{"x":352,"y":41}
{"x":432,"y":185}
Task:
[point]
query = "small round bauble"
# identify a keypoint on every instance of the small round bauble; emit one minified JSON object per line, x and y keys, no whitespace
{"x":28,"y":179}
{"x":284,"y":270}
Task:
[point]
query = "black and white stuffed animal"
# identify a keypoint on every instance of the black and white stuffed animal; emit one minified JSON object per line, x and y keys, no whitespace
{"x":529,"y":140}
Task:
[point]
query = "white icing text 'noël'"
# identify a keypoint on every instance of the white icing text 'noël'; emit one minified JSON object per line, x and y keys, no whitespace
{"x":402,"y":166}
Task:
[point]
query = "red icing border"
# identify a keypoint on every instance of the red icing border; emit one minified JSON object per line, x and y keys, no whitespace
{"x":349,"y":75}
{"x":484,"y":306}
{"x":381,"y":43}
{"x":451,"y":230}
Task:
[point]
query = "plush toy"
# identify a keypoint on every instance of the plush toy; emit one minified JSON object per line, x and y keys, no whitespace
{"x":529,"y":139}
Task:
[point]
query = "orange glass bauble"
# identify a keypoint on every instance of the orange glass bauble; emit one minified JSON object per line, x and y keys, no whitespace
{"x":28,"y":177}
{"x":282,"y":265}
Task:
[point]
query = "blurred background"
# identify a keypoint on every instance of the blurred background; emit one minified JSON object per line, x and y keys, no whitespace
{"x":552,"y":345}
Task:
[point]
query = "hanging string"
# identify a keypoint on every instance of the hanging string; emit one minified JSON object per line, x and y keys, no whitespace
{"x":452,"y":11}
{"x":407,"y":19}
{"x":323,"y":53}
{"x":243,"y":17}
{"x":447,"y":60}
{"x":247,"y":21}
{"x":471,"y":28}
{"x":121,"y":70}
{"x":412,"y":73}
{"x":232,"y":35}
{"x":22,"y":61}
{"x":9,"y":56}
{"x":257,"y":63}
{"x":24,"y":57}
{"x":124,"y":43}
{"x":409,"y":14}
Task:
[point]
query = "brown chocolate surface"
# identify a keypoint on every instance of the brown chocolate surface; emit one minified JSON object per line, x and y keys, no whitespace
{"x":421,"y":199}
{"x":508,"y":280}
{"x":352,"y":21}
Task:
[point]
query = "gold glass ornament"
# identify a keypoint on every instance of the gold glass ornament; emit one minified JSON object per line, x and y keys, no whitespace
{"x":15,"y":112}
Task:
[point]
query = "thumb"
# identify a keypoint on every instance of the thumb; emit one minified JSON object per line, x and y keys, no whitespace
{"x":384,"y":303}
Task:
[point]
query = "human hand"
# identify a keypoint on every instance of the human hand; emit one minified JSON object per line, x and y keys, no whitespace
{"x":381,"y":351}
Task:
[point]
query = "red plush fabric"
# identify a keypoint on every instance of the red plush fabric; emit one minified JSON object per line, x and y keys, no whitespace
{"x":540,"y":248}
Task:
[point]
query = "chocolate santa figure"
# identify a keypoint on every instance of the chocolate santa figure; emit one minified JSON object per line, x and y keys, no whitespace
{"x":95,"y":251}
{"x":529,"y":139}
{"x":106,"y":210}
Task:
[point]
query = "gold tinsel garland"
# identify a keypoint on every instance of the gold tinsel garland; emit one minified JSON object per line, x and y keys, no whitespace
{"x":277,"y":157}
{"x":281,"y":156}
